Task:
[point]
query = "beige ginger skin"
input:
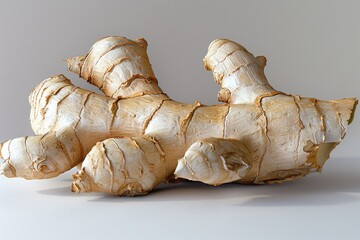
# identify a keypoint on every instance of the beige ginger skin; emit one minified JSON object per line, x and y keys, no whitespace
{"x":136,"y":137}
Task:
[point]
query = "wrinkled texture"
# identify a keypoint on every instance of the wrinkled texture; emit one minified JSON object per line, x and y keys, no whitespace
{"x":135,"y":137}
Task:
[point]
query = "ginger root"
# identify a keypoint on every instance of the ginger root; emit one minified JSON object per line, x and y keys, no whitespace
{"x":136,"y":137}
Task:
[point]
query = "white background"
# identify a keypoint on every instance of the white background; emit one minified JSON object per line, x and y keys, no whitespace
{"x":312,"y":49}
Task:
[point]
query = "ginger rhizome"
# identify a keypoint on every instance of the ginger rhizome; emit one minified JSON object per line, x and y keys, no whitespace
{"x":136,"y":137}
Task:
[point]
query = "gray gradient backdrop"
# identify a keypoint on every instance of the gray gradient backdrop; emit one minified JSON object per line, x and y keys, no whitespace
{"x":312,"y":47}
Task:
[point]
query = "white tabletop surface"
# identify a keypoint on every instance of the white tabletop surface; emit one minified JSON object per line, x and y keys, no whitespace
{"x":320,"y":206}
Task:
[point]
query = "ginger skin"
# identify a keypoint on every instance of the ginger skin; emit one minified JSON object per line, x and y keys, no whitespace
{"x":136,"y":137}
